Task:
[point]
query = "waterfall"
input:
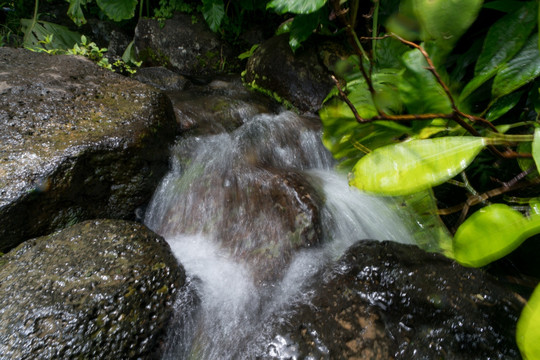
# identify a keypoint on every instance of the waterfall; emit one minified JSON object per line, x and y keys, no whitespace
{"x":252,"y":215}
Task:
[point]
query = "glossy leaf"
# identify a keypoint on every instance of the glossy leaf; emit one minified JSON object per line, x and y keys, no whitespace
{"x":521,"y":70}
{"x":444,"y":21}
{"x":419,"y":89}
{"x":416,"y":165}
{"x":503,"y":105}
{"x":296,"y":6}
{"x":489,"y":234}
{"x":302,"y":27}
{"x":213,"y":12}
{"x":118,"y":10}
{"x":504,"y":39}
{"x":528,"y":331}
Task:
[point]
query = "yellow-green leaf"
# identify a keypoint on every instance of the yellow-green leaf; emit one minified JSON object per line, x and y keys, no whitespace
{"x":416,"y":165}
{"x":536,"y":148}
{"x":528,"y":331}
{"x":489,"y":234}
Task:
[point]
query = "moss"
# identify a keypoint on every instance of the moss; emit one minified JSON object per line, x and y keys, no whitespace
{"x":254,"y":86}
{"x":131,"y":291}
{"x":150,"y":57}
{"x":163,"y":290}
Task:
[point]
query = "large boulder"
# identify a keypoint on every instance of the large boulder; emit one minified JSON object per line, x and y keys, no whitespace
{"x":76,"y":142}
{"x":102,"y":289}
{"x":183,"y":45}
{"x":299,"y":78}
{"x":393,"y":301}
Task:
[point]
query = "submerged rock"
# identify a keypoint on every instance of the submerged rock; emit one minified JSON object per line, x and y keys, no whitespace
{"x":102,"y":289}
{"x":76,"y":142}
{"x":393,"y":301}
{"x":220,"y":106}
{"x":299,"y":78}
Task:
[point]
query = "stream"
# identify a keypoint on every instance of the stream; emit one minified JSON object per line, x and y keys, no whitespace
{"x":252,"y":214}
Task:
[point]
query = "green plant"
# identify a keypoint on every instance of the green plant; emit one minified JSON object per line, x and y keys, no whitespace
{"x":414,"y":112}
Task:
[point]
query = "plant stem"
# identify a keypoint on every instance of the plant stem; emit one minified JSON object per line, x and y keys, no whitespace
{"x":31,"y":27}
{"x":375,"y":30}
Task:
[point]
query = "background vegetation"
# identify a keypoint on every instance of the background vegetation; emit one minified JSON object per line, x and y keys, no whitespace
{"x":438,"y":102}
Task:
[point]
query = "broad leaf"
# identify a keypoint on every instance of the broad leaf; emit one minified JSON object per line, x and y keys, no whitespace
{"x":75,"y":11}
{"x":502,"y":5}
{"x":296,"y":6}
{"x":504,"y":39}
{"x":301,"y":28}
{"x":62,"y":38}
{"x":213,"y":12}
{"x":419,"y":90}
{"x":416,"y":165}
{"x":118,"y":10}
{"x":528,"y":331}
{"x":521,"y":70}
{"x":444,"y":21}
{"x":489,"y":234}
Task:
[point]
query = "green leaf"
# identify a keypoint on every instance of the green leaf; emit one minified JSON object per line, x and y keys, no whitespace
{"x":295,"y":6}
{"x":416,"y":165}
{"x":62,"y":38}
{"x":521,"y":70}
{"x":502,"y":5}
{"x":536,"y":147}
{"x":118,"y":10}
{"x":419,"y":89}
{"x":213,"y":12}
{"x":488,"y":235}
{"x":75,"y":11}
{"x":504,"y":39}
{"x":302,"y":27}
{"x":503,"y":105}
{"x":444,"y":21}
{"x":528,"y":331}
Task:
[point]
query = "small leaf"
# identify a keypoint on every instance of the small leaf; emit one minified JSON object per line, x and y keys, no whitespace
{"x":521,"y":70}
{"x":295,"y":6}
{"x":416,"y":165}
{"x":118,"y":10}
{"x":528,"y":331}
{"x":213,"y":12}
{"x":75,"y":11}
{"x":488,"y":235}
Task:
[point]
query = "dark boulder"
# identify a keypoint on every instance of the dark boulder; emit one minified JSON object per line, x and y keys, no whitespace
{"x":393,"y":301}
{"x":299,"y":78}
{"x":76,"y":142}
{"x":102,"y":289}
{"x":182,"y":45}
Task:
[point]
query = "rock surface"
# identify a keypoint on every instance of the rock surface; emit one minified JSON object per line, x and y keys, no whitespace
{"x":76,"y":142}
{"x":392,"y":301}
{"x":221,"y":106}
{"x":162,"y":78}
{"x":299,"y":78}
{"x":181,"y":45}
{"x":102,"y":289}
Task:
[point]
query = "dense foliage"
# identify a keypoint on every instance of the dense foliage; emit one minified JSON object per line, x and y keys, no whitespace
{"x":438,"y":104}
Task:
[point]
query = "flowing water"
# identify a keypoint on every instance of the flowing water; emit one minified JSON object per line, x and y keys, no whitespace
{"x":238,"y":210}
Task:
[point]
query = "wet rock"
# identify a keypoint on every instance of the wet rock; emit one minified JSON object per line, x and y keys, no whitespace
{"x":76,"y":142}
{"x":162,"y":78}
{"x":298,"y":78}
{"x":221,"y":106}
{"x":102,"y":289}
{"x":392,"y":301}
{"x":182,"y":45}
